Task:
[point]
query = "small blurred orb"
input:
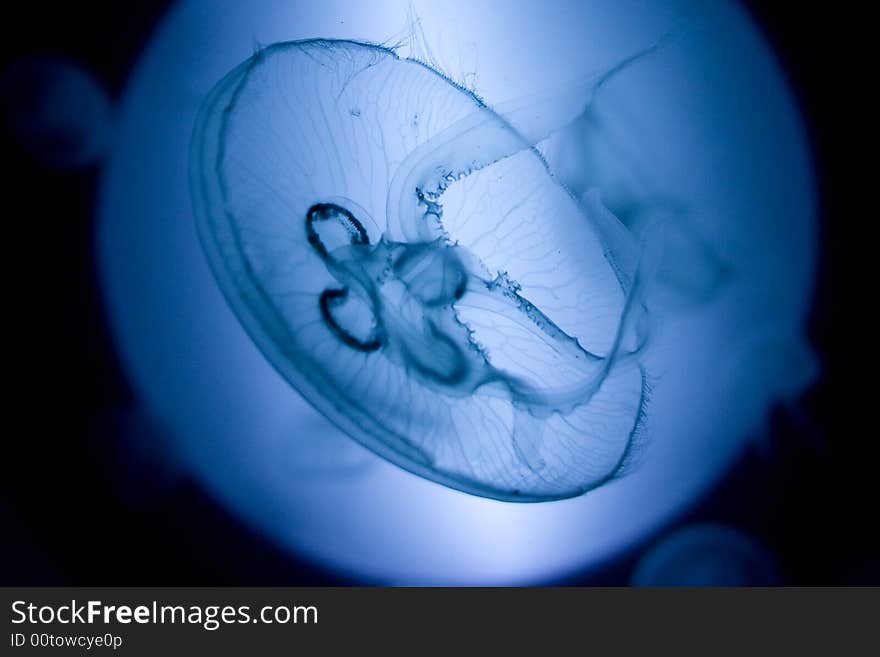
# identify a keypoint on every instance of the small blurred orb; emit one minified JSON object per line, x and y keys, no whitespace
{"x":706,"y":555}
{"x":57,"y":111}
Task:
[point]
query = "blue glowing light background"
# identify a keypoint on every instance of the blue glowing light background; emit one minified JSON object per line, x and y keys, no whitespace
{"x":713,"y":123}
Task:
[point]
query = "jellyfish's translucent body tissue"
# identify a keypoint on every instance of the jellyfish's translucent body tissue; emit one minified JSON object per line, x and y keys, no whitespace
{"x":402,"y":254}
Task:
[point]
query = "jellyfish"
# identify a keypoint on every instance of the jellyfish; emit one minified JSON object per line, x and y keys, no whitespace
{"x":403,"y":255}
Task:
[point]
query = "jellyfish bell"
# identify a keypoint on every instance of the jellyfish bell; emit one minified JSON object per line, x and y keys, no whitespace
{"x":402,"y":254}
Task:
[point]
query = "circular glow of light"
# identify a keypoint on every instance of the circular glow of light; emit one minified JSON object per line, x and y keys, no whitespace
{"x":717,"y":128}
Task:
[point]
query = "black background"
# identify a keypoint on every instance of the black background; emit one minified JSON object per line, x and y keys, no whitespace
{"x":64,"y":520}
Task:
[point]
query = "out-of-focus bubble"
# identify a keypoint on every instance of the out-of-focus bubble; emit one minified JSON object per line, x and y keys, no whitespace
{"x":706,"y":555}
{"x":57,"y":111}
